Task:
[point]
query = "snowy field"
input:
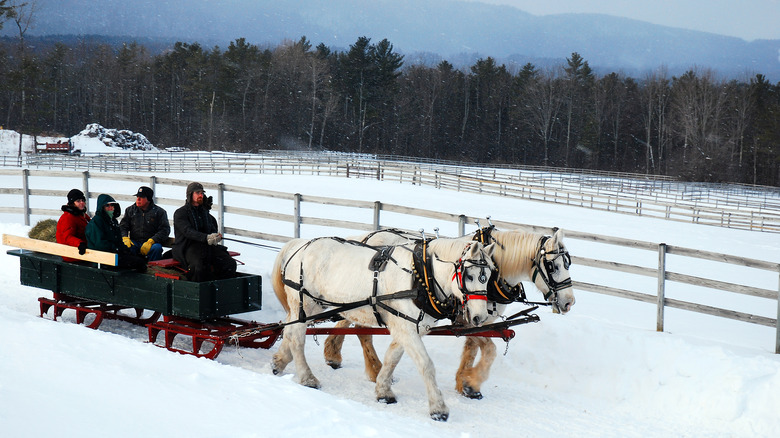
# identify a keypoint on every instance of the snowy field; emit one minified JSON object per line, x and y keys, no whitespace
{"x":602,"y":370}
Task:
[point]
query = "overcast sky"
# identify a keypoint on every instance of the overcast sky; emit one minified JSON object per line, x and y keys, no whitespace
{"x":748,"y":19}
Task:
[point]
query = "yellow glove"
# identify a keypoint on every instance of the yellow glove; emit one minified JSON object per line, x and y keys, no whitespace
{"x":146,"y":247}
{"x":128,"y":243}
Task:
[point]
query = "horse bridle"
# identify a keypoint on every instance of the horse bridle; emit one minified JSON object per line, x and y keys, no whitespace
{"x":544,"y":267}
{"x":460,"y":271}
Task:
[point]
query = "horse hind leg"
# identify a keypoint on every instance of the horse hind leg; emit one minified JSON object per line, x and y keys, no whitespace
{"x":370,"y":357}
{"x":333,"y":344}
{"x":281,"y":358}
{"x":295,"y":335}
{"x":469,"y":378}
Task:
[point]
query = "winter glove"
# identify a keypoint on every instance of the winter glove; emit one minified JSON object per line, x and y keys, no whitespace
{"x":208,"y":202}
{"x":128,"y":243}
{"x":213,"y":238}
{"x":147,"y":246}
{"x":82,"y":248}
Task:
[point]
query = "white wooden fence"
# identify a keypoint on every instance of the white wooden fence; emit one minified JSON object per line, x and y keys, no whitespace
{"x":726,"y":205}
{"x":224,"y":211}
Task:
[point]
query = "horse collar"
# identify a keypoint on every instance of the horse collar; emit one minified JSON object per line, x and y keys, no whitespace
{"x":427,"y":300}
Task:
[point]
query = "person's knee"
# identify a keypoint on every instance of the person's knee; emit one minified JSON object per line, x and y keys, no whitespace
{"x":155,"y":252}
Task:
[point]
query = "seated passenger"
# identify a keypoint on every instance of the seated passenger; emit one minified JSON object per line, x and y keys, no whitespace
{"x":145,"y":226}
{"x":72,"y":224}
{"x":103,"y":234}
{"x":197,"y":238}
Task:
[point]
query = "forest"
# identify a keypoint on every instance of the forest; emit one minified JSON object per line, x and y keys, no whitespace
{"x":246,"y":98}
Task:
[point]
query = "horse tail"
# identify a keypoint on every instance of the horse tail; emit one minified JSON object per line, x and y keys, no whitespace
{"x":277,"y":281}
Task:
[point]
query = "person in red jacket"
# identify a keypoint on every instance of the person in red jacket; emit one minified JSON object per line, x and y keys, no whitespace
{"x":71,"y":228}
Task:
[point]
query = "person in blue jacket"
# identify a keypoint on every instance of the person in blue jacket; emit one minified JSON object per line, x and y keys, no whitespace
{"x":103,"y":234}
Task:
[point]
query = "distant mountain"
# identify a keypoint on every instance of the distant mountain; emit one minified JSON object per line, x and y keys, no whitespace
{"x":424,"y":30}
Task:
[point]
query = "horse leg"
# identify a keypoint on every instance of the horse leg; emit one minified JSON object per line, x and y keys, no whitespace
{"x":467,"y":358}
{"x":296,"y":336}
{"x":370,"y":357}
{"x":413,"y":344}
{"x":332,"y":349}
{"x":281,"y":358}
{"x":470,"y":380}
{"x":384,"y":378}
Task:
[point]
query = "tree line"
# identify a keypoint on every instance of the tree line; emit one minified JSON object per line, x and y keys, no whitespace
{"x":246,"y":98}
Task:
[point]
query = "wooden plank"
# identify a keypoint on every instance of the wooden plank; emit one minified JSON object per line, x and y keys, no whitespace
{"x":722,"y":285}
{"x":91,"y":255}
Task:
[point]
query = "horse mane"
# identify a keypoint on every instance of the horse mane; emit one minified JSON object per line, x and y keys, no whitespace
{"x":448,"y":248}
{"x":515,"y":252}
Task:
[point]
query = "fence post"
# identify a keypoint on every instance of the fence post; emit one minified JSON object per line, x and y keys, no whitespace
{"x":461,"y":225}
{"x":26,"y":191}
{"x":777,"y":323}
{"x":153,"y":186}
{"x":221,"y":204}
{"x":659,"y":325}
{"x":297,"y":216}
{"x":377,"y":209}
{"x":85,"y":185}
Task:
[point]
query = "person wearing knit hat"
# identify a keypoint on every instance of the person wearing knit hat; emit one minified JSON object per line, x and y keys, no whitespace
{"x":72,"y":225}
{"x":103,"y":234}
{"x":145,"y":226}
{"x":197,"y":239}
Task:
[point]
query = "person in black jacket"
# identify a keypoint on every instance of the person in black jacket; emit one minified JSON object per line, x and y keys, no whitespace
{"x":103,"y":234}
{"x":197,"y":239}
{"x":145,"y":226}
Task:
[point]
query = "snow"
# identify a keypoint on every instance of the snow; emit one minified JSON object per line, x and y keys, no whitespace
{"x":602,"y":370}
{"x":93,"y":138}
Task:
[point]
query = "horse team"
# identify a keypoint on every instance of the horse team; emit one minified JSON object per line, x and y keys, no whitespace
{"x":406,"y":283}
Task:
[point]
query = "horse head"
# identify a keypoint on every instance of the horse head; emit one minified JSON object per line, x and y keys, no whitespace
{"x":551,"y":272}
{"x":470,"y":281}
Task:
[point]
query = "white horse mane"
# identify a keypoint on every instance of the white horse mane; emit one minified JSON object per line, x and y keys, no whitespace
{"x":515,"y":251}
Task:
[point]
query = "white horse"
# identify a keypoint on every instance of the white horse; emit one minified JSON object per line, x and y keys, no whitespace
{"x":377,"y":286}
{"x":519,"y":255}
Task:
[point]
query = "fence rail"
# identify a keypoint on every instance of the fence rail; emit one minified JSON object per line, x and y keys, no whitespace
{"x":297,"y":220}
{"x":726,"y":205}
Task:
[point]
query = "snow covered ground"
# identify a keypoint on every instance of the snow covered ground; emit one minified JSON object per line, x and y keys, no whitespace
{"x":602,"y":370}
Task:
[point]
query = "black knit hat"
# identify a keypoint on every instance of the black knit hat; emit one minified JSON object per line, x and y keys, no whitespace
{"x":145,"y":192}
{"x":192,"y":188}
{"x":75,"y":195}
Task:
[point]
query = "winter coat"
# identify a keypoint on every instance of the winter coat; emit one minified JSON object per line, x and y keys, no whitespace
{"x":71,"y":227}
{"x":141,"y":225}
{"x":103,"y":233}
{"x":191,"y":224}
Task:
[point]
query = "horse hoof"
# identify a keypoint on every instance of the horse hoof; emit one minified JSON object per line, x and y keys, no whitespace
{"x":471,"y":393}
{"x":311,"y":383}
{"x":440,"y":416}
{"x":333,"y":364}
{"x":387,"y":400}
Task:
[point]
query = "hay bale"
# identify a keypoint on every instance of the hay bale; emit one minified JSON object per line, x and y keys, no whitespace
{"x":45,"y":229}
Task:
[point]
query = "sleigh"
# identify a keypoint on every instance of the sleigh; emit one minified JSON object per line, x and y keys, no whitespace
{"x":196,"y":318}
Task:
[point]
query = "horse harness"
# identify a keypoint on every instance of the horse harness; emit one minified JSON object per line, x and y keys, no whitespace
{"x":499,"y":290}
{"x":544,"y":267}
{"x":422,"y":293}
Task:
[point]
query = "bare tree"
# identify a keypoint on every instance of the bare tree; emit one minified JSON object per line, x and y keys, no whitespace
{"x":542,"y":101}
{"x":655,"y":99}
